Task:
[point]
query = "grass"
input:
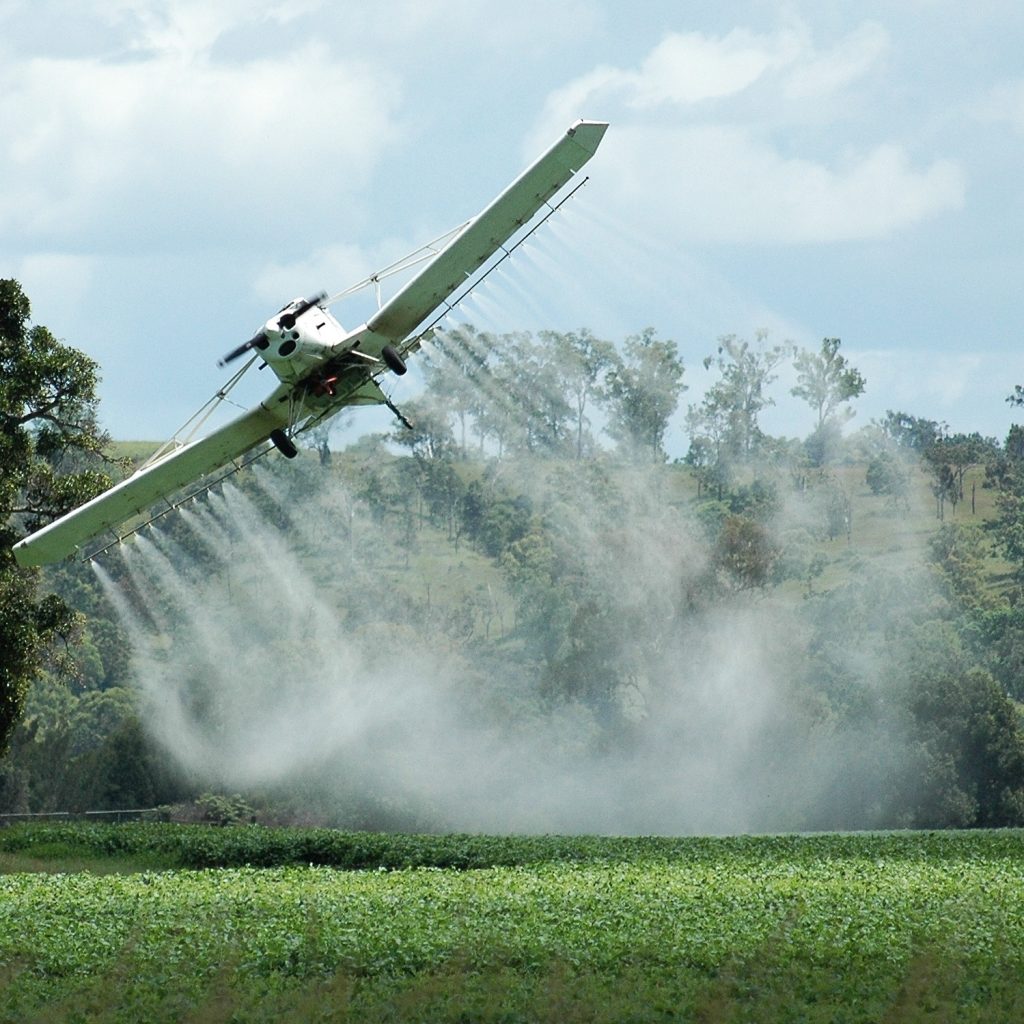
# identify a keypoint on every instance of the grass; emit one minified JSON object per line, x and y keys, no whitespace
{"x":856,"y":928}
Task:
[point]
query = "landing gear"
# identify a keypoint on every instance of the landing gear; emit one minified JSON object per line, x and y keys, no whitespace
{"x":284,"y":444}
{"x":395,"y":362}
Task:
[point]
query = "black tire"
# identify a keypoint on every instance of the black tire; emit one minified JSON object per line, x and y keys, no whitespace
{"x":284,"y":444}
{"x":395,"y":362}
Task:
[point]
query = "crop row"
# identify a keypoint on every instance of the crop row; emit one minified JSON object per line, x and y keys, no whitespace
{"x":845,"y":929}
{"x":202,"y":846}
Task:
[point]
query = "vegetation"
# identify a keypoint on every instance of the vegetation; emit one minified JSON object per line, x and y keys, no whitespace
{"x":51,"y":459}
{"x":861,"y":592}
{"x":820,"y":928}
{"x":529,"y":532}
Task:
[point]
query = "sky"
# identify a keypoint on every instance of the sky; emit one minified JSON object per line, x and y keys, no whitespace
{"x":173,"y":171}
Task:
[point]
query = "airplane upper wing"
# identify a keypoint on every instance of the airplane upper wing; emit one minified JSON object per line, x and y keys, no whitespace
{"x":137,"y":493}
{"x":486,"y":233}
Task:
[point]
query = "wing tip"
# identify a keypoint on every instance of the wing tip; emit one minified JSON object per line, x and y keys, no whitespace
{"x":587,"y":134}
{"x":29,"y":556}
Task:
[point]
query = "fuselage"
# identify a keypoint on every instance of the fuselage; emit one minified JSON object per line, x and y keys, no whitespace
{"x":299,"y":339}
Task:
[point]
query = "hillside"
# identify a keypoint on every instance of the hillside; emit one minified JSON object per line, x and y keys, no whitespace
{"x":431,"y":641}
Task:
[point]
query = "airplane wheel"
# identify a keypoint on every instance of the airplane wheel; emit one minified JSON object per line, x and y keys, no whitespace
{"x":395,"y":362}
{"x":284,"y":444}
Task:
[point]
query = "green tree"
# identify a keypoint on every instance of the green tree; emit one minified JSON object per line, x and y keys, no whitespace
{"x":457,"y":371}
{"x":746,"y":552}
{"x":643,"y":391}
{"x":51,"y":460}
{"x":948,"y":459}
{"x":521,"y":402}
{"x":912,"y":432}
{"x":583,"y":362}
{"x":959,"y":552}
{"x":430,"y":436}
{"x":888,"y":474}
{"x":826,"y":382}
{"x":729,"y":411}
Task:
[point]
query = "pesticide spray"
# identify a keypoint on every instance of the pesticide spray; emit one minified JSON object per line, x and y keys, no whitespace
{"x":279,"y":649}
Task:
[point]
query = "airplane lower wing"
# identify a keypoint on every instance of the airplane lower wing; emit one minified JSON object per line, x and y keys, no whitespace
{"x":136,"y":495}
{"x":326,"y":375}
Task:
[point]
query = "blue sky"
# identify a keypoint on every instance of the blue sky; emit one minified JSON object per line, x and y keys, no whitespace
{"x":174,"y":171}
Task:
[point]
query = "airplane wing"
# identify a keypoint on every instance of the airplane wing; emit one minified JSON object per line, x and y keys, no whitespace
{"x":466,"y":253}
{"x":484,"y":235}
{"x":135,"y":495}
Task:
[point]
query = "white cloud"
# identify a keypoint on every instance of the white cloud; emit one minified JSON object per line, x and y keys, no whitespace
{"x":927,"y":380}
{"x":967,"y":390}
{"x":723,"y":184}
{"x":186,"y":28}
{"x":822,"y":74}
{"x":57,"y":283}
{"x":728,"y":172}
{"x":155,"y":147}
{"x":691,"y":67}
{"x":688,"y":69}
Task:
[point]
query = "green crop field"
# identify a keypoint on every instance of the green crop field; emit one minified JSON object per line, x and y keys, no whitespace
{"x":858,"y":927}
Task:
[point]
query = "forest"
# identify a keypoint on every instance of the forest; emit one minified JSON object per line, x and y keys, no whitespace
{"x":522,"y":614}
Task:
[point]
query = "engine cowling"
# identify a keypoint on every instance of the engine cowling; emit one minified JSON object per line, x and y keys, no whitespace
{"x":298,"y":339}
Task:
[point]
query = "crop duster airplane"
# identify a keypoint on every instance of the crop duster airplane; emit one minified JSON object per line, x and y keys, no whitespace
{"x":322,"y":368}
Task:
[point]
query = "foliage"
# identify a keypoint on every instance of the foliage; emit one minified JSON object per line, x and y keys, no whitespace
{"x":948,"y":459}
{"x":859,"y":927}
{"x":572,"y":581}
{"x":960,"y":552}
{"x":643,"y":391}
{"x":996,"y":638}
{"x":911,"y":432}
{"x":746,"y":552}
{"x":50,"y":461}
{"x":888,"y":474}
{"x":224,"y":810}
{"x":827,"y":382}
{"x":583,"y":362}
{"x":725,"y":433}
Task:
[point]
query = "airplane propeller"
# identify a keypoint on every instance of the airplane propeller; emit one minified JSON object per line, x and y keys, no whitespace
{"x":285,"y":323}
{"x":257,"y":341}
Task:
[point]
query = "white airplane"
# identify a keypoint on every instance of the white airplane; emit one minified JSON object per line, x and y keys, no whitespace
{"x":322,"y":367}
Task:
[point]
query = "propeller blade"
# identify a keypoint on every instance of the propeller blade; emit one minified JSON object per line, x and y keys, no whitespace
{"x":259,"y":341}
{"x":287,"y":322}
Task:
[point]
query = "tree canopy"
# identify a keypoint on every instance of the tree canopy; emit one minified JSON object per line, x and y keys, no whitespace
{"x":51,"y":460}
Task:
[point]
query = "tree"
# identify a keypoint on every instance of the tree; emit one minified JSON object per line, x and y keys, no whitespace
{"x":959,"y":552}
{"x":457,"y":373}
{"x":948,"y":458}
{"x":520,"y":401}
{"x":746,"y":552}
{"x":724,"y":429}
{"x":643,"y":390}
{"x":826,"y":382}
{"x":913,"y":432}
{"x":888,"y":474}
{"x":430,"y":436}
{"x":731,"y":406}
{"x":319,"y":438}
{"x":583,"y":362}
{"x":51,"y":460}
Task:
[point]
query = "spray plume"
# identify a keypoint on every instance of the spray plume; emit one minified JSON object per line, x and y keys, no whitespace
{"x":279,"y":648}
